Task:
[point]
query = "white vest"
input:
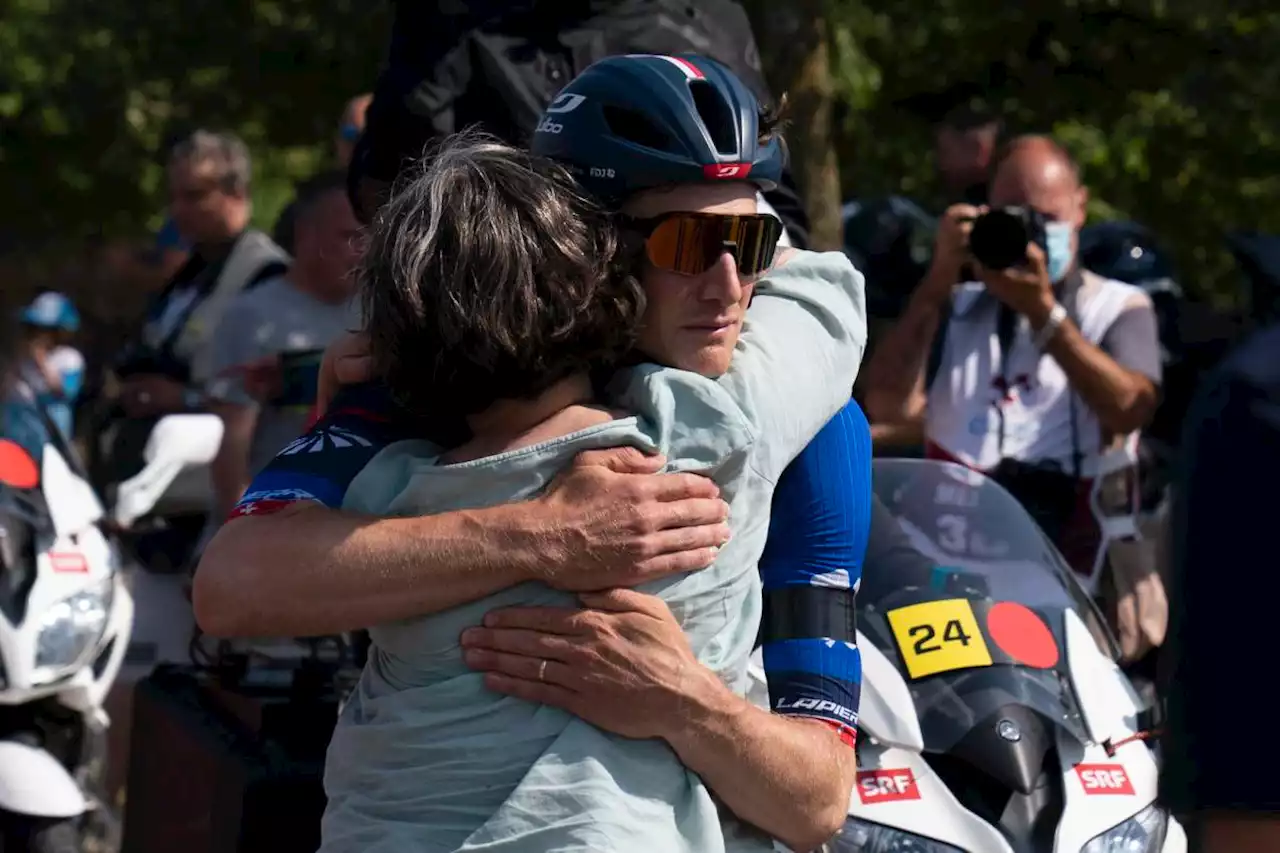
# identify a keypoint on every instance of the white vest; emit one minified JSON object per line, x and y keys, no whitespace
{"x":970,"y":391}
{"x":251,"y":253}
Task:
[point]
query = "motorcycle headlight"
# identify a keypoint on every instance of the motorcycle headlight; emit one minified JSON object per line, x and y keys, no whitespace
{"x":69,"y":629}
{"x":860,"y":836}
{"x":1142,"y":833}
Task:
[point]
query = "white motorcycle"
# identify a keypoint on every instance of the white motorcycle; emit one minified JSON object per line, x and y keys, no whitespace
{"x":65,"y":621}
{"x":994,"y":718}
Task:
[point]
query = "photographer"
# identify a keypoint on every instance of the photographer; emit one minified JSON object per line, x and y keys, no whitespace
{"x":1033,"y":370}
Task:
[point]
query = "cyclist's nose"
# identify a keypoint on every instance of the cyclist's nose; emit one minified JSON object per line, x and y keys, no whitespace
{"x":721,"y":283}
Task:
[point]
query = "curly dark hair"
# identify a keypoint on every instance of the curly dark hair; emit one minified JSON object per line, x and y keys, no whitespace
{"x":489,"y":276}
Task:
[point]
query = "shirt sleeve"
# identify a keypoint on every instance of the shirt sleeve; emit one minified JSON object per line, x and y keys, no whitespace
{"x":233,"y":344}
{"x":799,"y":353}
{"x":1224,"y":593}
{"x":811,"y":569}
{"x":320,"y":465}
{"x":1133,"y":340}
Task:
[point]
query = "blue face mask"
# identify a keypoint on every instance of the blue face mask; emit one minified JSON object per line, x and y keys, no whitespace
{"x":1058,"y":257}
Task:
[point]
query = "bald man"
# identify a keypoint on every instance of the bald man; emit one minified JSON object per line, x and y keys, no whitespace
{"x":1031,"y":371}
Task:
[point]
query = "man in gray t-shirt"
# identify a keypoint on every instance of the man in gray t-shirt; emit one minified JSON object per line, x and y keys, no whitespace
{"x":266,"y":352}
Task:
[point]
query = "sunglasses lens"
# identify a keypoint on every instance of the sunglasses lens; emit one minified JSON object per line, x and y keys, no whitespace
{"x":692,"y":243}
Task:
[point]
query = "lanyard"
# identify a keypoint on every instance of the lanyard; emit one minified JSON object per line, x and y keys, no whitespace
{"x":1006,"y":327}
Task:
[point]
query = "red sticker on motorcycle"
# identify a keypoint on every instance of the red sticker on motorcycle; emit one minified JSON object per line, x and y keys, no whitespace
{"x":1104,"y":779}
{"x":887,"y":786}
{"x":69,"y":563}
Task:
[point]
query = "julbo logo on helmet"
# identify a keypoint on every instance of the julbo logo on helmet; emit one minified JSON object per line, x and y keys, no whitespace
{"x":726,"y":171}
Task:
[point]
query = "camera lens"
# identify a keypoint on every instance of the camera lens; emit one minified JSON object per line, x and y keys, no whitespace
{"x":999,"y":239}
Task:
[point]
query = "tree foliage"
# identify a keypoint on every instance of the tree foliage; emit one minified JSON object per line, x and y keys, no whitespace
{"x":90,"y":93}
{"x":1170,"y":104}
{"x":1171,"y":107}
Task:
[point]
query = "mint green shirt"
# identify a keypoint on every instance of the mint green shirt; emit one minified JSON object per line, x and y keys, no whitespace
{"x":424,"y":758}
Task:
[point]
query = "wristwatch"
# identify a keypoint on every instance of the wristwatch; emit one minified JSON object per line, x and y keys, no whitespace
{"x":1051,"y":325}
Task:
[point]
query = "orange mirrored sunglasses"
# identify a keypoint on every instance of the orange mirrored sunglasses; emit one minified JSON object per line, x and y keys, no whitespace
{"x":692,"y":243}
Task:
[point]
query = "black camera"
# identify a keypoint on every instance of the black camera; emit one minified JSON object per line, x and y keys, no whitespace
{"x":1000,"y":236}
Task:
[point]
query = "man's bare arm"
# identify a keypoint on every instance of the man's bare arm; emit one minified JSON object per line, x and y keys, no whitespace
{"x":802,"y":774}
{"x":309,"y":570}
{"x":895,"y":370}
{"x":230,"y":468}
{"x":1124,"y":400}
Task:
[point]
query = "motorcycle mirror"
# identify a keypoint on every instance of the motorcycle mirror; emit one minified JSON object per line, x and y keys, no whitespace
{"x":176,"y":442}
{"x":17,"y":469}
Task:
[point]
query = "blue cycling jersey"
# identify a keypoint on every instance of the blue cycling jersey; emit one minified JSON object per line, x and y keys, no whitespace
{"x":811,"y":566}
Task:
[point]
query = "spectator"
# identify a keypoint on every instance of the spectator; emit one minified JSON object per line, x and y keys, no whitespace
{"x":998,"y":404}
{"x":1224,"y":607}
{"x":964,"y":147}
{"x":266,"y":351}
{"x":164,"y":371}
{"x":498,"y":65}
{"x":52,"y":369}
{"x":350,"y":128}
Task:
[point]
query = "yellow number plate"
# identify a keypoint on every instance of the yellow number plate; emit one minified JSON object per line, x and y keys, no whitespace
{"x":939,"y":636}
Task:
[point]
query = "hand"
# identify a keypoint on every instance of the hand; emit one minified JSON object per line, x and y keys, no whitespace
{"x":951,"y":244}
{"x":612,"y":520}
{"x":149,"y":395}
{"x":263,"y":378}
{"x":1026,"y":289}
{"x":623,"y":665}
{"x":346,"y":362}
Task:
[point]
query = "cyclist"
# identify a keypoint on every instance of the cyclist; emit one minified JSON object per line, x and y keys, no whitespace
{"x":808,"y":582}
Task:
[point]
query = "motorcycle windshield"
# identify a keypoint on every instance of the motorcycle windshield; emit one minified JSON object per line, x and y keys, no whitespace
{"x":973,"y":611}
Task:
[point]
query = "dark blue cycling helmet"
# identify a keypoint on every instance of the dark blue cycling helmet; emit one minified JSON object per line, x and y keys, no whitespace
{"x":634,"y":122}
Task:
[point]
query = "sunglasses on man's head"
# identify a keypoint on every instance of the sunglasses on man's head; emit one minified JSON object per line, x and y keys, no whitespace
{"x":692,"y":243}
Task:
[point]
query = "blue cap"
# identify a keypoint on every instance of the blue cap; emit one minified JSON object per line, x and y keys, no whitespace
{"x":52,"y":310}
{"x":634,"y":122}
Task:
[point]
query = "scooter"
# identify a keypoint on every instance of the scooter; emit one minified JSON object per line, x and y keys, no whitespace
{"x":994,"y":717}
{"x":65,"y":622}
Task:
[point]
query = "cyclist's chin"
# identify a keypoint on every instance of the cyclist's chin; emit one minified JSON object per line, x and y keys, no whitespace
{"x":709,"y":358}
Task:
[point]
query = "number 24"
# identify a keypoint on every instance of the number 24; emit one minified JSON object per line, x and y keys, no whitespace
{"x":952,"y":632}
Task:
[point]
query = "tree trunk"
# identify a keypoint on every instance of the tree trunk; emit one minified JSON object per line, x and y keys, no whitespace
{"x":793,"y":39}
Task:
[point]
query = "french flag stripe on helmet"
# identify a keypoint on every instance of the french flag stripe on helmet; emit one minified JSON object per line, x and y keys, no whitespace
{"x":690,"y":70}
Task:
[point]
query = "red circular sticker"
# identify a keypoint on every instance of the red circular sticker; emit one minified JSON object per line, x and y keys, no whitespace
{"x":1020,"y":633}
{"x":17,"y":469}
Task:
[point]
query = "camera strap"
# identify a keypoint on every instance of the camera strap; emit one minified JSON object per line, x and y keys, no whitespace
{"x":1006,"y":329}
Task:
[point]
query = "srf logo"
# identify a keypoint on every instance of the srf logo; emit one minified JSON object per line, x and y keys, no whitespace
{"x":887,"y":786}
{"x":1104,"y":779}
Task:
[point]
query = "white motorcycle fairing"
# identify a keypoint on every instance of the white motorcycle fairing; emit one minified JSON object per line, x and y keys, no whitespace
{"x":1106,"y":802}
{"x":32,"y":782}
{"x":66,"y":624}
